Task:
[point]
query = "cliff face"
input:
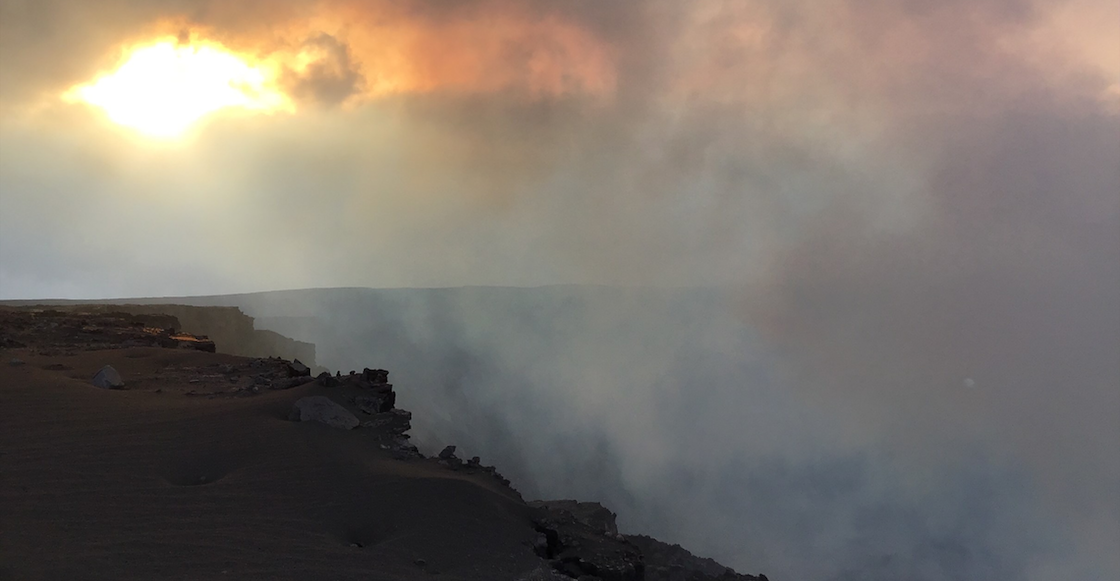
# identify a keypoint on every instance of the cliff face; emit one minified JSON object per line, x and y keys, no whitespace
{"x":232,"y":331}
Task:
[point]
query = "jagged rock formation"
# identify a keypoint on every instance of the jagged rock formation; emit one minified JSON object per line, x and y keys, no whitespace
{"x":582,"y":538}
{"x":579,"y":548}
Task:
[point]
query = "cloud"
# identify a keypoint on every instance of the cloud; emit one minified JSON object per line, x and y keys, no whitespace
{"x":325,"y":74}
{"x":905,"y":196}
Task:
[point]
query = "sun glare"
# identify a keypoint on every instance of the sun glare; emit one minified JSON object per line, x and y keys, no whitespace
{"x":163,"y":88}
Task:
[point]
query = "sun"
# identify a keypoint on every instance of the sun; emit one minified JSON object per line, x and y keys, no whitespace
{"x":163,"y":87}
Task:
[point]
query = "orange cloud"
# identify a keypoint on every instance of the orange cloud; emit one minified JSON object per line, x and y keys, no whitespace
{"x":393,"y":49}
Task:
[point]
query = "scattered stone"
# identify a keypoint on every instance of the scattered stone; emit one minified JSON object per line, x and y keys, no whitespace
{"x":108,"y":378}
{"x":420,"y":562}
{"x":321,"y":409}
{"x":16,"y":362}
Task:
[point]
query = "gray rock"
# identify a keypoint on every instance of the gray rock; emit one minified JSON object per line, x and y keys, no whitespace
{"x":16,"y":362}
{"x":321,"y":409}
{"x":447,"y":453}
{"x":108,"y":378}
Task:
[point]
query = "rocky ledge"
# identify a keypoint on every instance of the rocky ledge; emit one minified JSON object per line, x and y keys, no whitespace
{"x":575,"y":540}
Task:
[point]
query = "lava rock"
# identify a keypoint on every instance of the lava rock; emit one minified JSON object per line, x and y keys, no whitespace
{"x":108,"y":378}
{"x":321,"y":409}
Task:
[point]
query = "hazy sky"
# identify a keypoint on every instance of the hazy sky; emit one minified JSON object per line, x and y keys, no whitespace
{"x":908,"y":194}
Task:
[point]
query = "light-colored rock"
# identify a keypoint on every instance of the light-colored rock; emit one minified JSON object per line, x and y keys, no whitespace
{"x":322,"y":409}
{"x":108,"y":378}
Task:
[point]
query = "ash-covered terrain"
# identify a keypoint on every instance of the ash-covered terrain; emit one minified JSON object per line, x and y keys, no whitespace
{"x":134,"y":450}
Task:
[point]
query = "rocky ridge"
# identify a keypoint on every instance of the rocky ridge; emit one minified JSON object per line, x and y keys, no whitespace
{"x":575,"y":540}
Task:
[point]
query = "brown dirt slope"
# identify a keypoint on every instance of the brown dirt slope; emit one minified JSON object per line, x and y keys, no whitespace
{"x":152,"y":483}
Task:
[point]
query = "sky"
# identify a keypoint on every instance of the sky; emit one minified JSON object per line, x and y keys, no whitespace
{"x":903,"y":195}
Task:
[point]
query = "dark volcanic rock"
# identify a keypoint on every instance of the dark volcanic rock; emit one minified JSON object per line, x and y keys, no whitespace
{"x":377,"y":403}
{"x":291,"y":382}
{"x":108,"y":378}
{"x":577,"y":549}
{"x":395,"y":422}
{"x":297,"y":369}
{"x":591,"y":514}
{"x":375,"y":376}
{"x":325,"y":379}
{"x":665,"y":562}
{"x":321,"y":409}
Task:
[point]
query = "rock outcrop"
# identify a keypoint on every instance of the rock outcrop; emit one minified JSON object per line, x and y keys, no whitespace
{"x":665,"y":562}
{"x":322,"y":409}
{"x":579,"y":549}
{"x":575,"y":540}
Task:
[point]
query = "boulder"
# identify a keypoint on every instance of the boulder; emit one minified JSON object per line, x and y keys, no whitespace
{"x":297,"y":369}
{"x":376,"y":404}
{"x":321,"y":409}
{"x":108,"y":378}
{"x":447,"y":453}
{"x":325,"y":379}
{"x":375,"y":376}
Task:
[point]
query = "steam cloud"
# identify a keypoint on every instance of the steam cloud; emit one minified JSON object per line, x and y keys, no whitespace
{"x":911,"y":210}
